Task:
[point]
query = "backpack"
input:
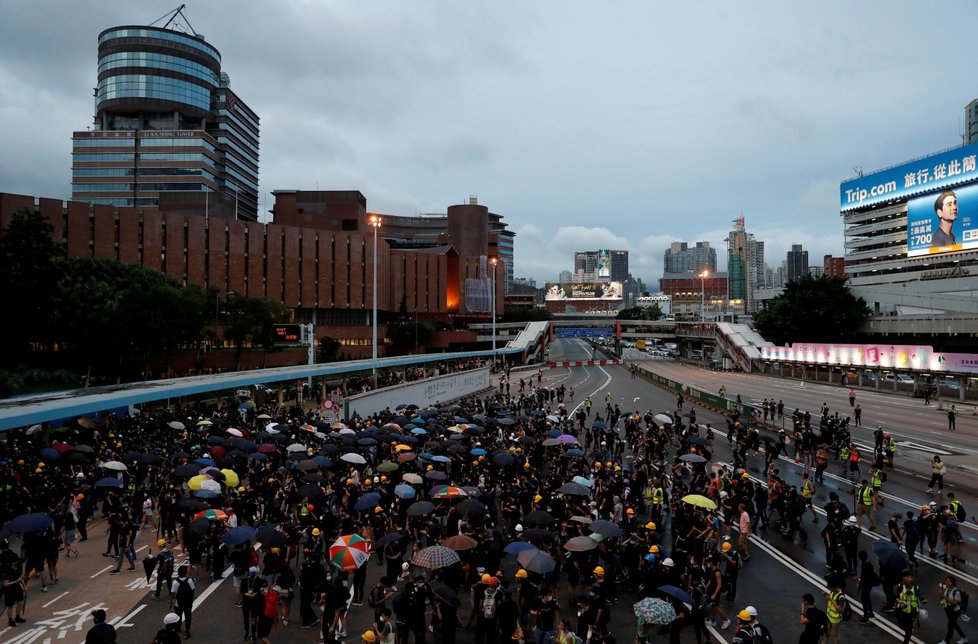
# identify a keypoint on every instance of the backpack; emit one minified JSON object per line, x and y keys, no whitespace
{"x":489,"y":604}
{"x":253,"y":558}
{"x":762,"y":635}
{"x":913,"y":530}
{"x":959,"y":512}
{"x":821,"y":620}
{"x":882,"y":476}
{"x":963,"y":603}
{"x":166,"y":564}
{"x":185,"y":592}
{"x":373,"y":599}
{"x":846,"y":606}
{"x":271,"y":603}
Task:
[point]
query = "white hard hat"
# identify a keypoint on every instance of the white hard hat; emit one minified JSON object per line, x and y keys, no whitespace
{"x":519,"y":527}
{"x":852,"y":519}
{"x":668,"y":562}
{"x":171,"y":618}
{"x":752,"y":611}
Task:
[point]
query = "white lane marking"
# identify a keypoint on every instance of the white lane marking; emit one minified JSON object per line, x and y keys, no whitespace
{"x":106,"y":569}
{"x":55,"y":599}
{"x":210,"y":589}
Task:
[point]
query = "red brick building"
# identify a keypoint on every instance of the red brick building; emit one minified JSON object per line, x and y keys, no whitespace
{"x":316,"y":262}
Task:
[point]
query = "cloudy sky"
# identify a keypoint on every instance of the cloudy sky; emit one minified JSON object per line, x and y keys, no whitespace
{"x":628,"y":124}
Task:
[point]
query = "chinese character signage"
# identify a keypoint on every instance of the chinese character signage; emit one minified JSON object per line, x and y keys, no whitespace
{"x":584,"y":291}
{"x":928,"y":175}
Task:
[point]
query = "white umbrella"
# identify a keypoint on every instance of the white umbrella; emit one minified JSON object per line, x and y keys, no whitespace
{"x":210,"y":484}
{"x":115,"y":466}
{"x":234,"y":432}
{"x":263,"y":417}
{"x":662,"y":418}
{"x":411,"y":477}
{"x":176,"y":424}
{"x":295,"y":447}
{"x":346,"y":430}
{"x":553,"y":419}
{"x":33,"y":429}
{"x":352,"y":457}
{"x":204,"y":422}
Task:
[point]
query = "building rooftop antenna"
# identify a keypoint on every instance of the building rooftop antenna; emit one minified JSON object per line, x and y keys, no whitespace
{"x":178,"y":19}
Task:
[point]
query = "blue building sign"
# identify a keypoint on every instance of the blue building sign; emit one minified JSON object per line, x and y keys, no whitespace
{"x":930,"y":174}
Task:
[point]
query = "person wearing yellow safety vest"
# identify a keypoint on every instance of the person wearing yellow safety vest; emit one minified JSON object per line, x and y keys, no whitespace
{"x":865,"y":504}
{"x":908,"y":602}
{"x":807,"y":493}
{"x":835,"y":602}
{"x":658,"y":502}
{"x":877,"y":478}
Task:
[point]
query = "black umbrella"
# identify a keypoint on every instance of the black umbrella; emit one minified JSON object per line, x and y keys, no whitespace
{"x":574,"y":489}
{"x":503,"y":459}
{"x":241,"y":534}
{"x":539,"y":517}
{"x":443,"y":593}
{"x":271,"y":538}
{"x":84,"y":449}
{"x":149,"y":564}
{"x":390,"y":537}
{"x":699,"y":440}
{"x":200,"y":525}
{"x":606,"y":529}
{"x":188,"y":503}
{"x":310,"y":490}
{"x":539,"y":535}
{"x":420,"y":508}
{"x":890,"y":555}
{"x":471,"y":508}
{"x":187,"y":469}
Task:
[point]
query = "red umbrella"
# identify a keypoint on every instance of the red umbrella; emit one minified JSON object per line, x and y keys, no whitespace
{"x":62,"y":447}
{"x":267,"y":448}
{"x":218,"y":451}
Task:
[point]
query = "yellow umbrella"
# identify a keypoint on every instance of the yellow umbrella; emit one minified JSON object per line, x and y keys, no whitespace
{"x":196,"y":482}
{"x":700,"y":501}
{"x":230,"y":478}
{"x":402,"y":447}
{"x":87,"y":423}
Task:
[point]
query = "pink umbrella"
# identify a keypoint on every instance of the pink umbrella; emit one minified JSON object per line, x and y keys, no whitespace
{"x":234,"y":432}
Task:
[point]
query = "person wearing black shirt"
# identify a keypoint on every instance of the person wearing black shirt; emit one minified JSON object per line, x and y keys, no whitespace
{"x":311,"y":577}
{"x":867,"y":579}
{"x":814,"y":619}
{"x":102,"y":632}
{"x":253,"y":602}
{"x":546,"y":613}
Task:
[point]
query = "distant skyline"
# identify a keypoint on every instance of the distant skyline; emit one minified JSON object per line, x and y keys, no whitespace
{"x":627,"y":126}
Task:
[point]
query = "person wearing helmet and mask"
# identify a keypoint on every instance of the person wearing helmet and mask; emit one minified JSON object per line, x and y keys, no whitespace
{"x":745,"y":629}
{"x":170,"y":633}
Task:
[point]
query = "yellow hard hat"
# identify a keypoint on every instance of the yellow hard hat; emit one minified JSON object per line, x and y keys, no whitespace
{"x":617,"y":468}
{"x":521,"y":574}
{"x":383,"y":479}
{"x":654,"y":549}
{"x":276,"y":550}
{"x":475,"y":463}
{"x":485,"y":578}
{"x":160,"y":543}
{"x":38,"y":470}
{"x":537,"y":498}
{"x":726,"y":546}
{"x":629,"y":511}
{"x":744,"y":616}
{"x":650,"y":526}
{"x":316,"y":532}
{"x":608,"y":464}
{"x":40,"y":464}
{"x":378,"y":510}
{"x":349,"y":481}
{"x":597,"y":465}
{"x":368,"y":636}
{"x":241,"y":488}
{"x":429,"y":468}
{"x":526,"y":466}
{"x":368,"y":482}
{"x":79,"y":497}
{"x":598,"y":570}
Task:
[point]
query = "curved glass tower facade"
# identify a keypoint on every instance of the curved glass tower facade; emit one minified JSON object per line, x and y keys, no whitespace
{"x":168,"y":130}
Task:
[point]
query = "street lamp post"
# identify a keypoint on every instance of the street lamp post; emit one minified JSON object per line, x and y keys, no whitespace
{"x":374,"y":222}
{"x":703,"y":276}
{"x":494,"y":261}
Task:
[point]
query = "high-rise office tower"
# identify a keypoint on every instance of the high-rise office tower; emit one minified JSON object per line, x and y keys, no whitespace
{"x":680,"y":258}
{"x":796,"y":263}
{"x":168,"y":131}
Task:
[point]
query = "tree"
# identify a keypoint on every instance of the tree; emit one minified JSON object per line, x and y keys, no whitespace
{"x":30,"y":267}
{"x":250,"y":322}
{"x":641,"y":313}
{"x":328,"y":350}
{"x":407,"y":335}
{"x":812,"y":309}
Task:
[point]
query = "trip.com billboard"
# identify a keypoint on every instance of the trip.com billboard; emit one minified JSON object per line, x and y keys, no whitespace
{"x":928,"y":175}
{"x":943,"y":222}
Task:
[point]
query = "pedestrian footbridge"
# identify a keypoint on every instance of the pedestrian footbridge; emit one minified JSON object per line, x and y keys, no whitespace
{"x":741,"y":344}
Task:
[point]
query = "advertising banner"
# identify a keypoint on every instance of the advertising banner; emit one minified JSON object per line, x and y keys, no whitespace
{"x":604,"y":264}
{"x":916,"y":357}
{"x":584,"y":291}
{"x":930,"y":174}
{"x":943,"y":222}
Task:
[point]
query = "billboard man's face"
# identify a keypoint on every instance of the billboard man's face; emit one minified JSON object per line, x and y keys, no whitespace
{"x":949,"y":211}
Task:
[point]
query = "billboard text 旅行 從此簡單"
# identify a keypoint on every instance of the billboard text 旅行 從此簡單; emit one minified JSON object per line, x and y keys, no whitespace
{"x":928,"y":175}
{"x":943,"y":222}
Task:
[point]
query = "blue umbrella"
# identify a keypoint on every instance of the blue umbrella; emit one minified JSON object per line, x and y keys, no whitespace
{"x":459,"y":419}
{"x":258,"y":456}
{"x":538,"y":412}
{"x":677,"y":593}
{"x":331,"y":449}
{"x":31,"y":522}
{"x":367,"y":501}
{"x":598,"y":425}
{"x":504,"y":459}
{"x":400,"y":407}
{"x":517,"y":547}
{"x":418,"y":419}
{"x":554,"y":433}
{"x":215,"y":440}
{"x":109,"y":482}
{"x":419,"y":432}
{"x":322,"y":461}
{"x":366,"y":442}
{"x":573,"y":452}
{"x":206,"y":494}
{"x":478,"y":451}
{"x":241,"y":534}
{"x":445,"y":459}
{"x":50,"y":454}
{"x":405,"y":491}
{"x":401,"y":420}
{"x":204,"y":461}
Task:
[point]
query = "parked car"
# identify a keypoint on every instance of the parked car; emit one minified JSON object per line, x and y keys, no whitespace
{"x":950,"y":384}
{"x":902,"y":378}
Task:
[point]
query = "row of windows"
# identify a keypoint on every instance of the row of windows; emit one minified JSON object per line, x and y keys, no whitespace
{"x":103,"y":143}
{"x":143,"y":172}
{"x":145,"y":86}
{"x":128,"y":187}
{"x":147,"y":156}
{"x":251,"y":153}
{"x":241,"y":118}
{"x":123,"y":202}
{"x":159,"y":35}
{"x":104,"y":157}
{"x":157,"y":61}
